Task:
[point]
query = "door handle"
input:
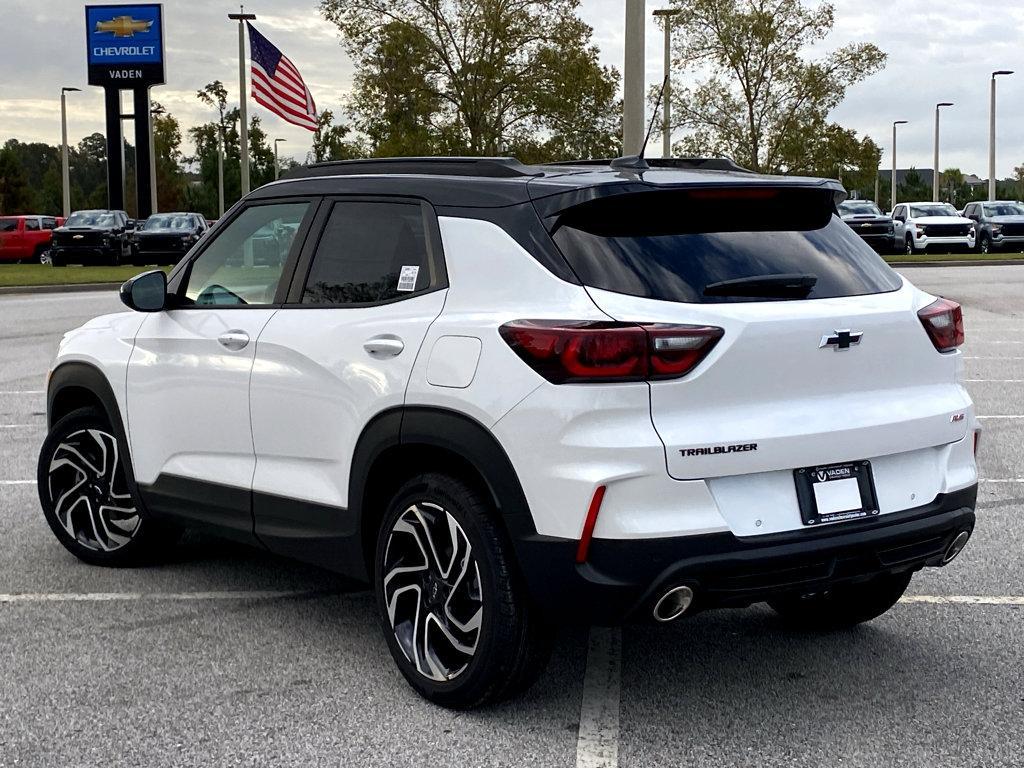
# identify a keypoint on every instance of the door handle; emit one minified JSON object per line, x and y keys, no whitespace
{"x":234,"y":340}
{"x":384,"y":346}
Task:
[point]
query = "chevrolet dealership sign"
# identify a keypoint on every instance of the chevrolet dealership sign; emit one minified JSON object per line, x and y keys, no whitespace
{"x":125,"y":45}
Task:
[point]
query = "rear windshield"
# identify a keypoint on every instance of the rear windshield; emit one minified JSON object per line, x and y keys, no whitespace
{"x":8,"y":225}
{"x":674,"y":245}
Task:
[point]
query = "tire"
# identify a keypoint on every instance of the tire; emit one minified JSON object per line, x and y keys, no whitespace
{"x":984,"y":243}
{"x":909,"y":249}
{"x":844,"y":606}
{"x":41,"y":255}
{"x":80,"y":475}
{"x":57,"y":261}
{"x":459,"y":641}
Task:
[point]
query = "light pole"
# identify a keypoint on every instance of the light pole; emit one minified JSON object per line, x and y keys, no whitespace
{"x":65,"y":169}
{"x":633,"y":79}
{"x":154,"y":112}
{"x":277,"y":165}
{"x":666,"y":132}
{"x":992,"y":133}
{"x":935,"y":172}
{"x":892,"y":196}
{"x":243,"y":133}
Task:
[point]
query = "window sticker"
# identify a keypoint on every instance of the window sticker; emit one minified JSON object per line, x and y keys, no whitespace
{"x":407,"y":278}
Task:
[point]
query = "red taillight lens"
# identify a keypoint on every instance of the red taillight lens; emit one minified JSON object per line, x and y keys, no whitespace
{"x":600,"y":351}
{"x":944,"y":321}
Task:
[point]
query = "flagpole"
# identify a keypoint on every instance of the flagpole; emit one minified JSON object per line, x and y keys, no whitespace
{"x":243,"y":133}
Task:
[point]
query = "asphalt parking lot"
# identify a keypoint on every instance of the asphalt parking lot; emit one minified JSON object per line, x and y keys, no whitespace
{"x":159,"y":666}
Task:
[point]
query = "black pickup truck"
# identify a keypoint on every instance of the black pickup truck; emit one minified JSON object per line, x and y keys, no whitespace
{"x":93,"y":237}
{"x":165,"y":238}
{"x":865,"y":218}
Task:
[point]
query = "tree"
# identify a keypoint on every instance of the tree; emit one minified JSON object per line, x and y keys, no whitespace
{"x":329,"y":142}
{"x":913,"y":187}
{"x":170,"y":178}
{"x":761,"y":93}
{"x":15,"y":193}
{"x":826,"y":149}
{"x":476,"y":77}
{"x":1018,"y":177}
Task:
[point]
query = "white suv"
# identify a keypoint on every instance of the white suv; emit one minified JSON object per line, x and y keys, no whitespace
{"x":920,"y":226}
{"x":510,"y":396}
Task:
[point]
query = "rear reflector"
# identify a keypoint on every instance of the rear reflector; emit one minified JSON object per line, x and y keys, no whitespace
{"x":588,"y":525}
{"x":944,"y":321}
{"x":564,"y":351}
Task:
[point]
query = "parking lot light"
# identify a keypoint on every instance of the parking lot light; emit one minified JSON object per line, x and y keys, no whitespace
{"x":892,"y":197}
{"x":992,"y":133}
{"x":935,"y":171}
{"x":65,"y":168}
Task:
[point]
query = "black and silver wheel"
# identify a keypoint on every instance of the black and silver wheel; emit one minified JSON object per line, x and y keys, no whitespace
{"x":985,"y":243}
{"x":843,"y":606}
{"x":85,"y":494}
{"x":455,"y":617}
{"x":909,"y":249}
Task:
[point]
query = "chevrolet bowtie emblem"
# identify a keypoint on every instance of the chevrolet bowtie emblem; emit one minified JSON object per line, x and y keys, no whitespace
{"x":123,"y":26}
{"x":866,"y":224}
{"x":842,"y":339}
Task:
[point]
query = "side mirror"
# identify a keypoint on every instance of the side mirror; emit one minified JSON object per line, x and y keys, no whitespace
{"x":146,"y":292}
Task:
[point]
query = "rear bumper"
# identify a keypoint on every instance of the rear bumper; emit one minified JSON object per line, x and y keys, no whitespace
{"x":623,"y":578}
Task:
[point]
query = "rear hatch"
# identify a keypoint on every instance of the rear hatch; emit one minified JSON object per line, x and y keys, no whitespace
{"x":823,"y":358}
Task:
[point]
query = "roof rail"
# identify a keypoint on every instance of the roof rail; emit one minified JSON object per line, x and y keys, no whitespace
{"x":499,"y":168}
{"x":709,"y":164}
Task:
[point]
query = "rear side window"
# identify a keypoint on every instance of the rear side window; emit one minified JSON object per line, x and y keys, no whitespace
{"x":32,"y":224}
{"x":49,"y":223}
{"x":370,"y":253}
{"x":8,"y":225}
{"x":688,"y":245}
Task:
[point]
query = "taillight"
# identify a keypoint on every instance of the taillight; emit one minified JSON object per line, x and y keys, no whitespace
{"x":944,"y":321}
{"x":564,"y":351}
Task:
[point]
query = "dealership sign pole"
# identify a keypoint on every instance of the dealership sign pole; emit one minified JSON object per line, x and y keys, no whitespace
{"x":125,"y":51}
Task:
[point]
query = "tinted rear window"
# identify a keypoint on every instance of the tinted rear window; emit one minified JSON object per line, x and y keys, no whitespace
{"x":670,"y":245}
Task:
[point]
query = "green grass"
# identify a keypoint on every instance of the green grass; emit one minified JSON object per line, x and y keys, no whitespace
{"x":996,"y":256}
{"x":45,"y":275}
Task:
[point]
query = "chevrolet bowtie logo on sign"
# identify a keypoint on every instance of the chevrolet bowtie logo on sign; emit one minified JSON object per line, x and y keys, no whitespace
{"x":125,"y":45}
{"x":124,"y":26}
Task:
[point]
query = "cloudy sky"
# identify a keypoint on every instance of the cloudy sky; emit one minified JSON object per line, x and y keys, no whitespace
{"x":939,"y":50}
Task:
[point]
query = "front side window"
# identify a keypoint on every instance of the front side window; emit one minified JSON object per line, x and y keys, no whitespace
{"x":370,"y":253}
{"x":32,"y":225}
{"x":243,"y":265}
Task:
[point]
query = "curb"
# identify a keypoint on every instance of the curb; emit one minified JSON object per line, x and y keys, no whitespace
{"x":960,"y":263}
{"x":67,"y":288}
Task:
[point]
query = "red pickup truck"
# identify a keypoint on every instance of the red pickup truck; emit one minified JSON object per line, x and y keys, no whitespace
{"x":26,"y":238}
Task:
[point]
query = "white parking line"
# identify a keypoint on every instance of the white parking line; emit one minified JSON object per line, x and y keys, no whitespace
{"x":16,"y":483}
{"x":597,"y":744}
{"x":994,"y":380}
{"x":22,"y":392}
{"x":994,"y":357}
{"x":1002,"y":416}
{"x":978,"y":600}
{"x":215,"y":595}
{"x":14,"y":427}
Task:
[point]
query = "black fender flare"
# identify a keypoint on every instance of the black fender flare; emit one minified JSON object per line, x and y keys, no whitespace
{"x":452,"y":431}
{"x":77,"y":375}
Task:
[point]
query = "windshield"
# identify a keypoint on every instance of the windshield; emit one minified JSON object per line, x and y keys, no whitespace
{"x":934,"y":209}
{"x":852,"y":207}
{"x":91,"y":219}
{"x":674,"y":245}
{"x":168,"y":222}
{"x":1004,"y":209}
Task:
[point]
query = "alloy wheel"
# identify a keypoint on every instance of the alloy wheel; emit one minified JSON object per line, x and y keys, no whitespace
{"x":89,"y":492}
{"x":432,"y":591}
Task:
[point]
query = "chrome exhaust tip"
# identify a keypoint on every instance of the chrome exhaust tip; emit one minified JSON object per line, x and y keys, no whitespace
{"x":955,"y":546}
{"x":673,"y":604}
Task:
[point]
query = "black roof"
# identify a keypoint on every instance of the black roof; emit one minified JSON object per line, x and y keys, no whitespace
{"x":467,"y":182}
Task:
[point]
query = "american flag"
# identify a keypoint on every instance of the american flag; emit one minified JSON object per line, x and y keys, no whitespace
{"x":277,"y":84}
